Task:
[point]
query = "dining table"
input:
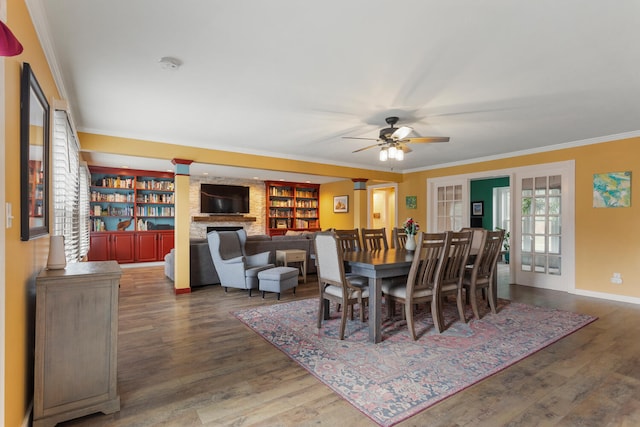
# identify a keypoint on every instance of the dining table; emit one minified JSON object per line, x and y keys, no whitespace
{"x":376,"y":266}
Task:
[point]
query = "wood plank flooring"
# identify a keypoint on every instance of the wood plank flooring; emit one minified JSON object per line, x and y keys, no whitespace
{"x":186,"y":361}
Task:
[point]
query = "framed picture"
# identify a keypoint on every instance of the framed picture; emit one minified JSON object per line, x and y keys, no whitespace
{"x":612,"y":190}
{"x":34,"y":157}
{"x":340,"y":204}
{"x":411,"y":202}
{"x":477,"y":208}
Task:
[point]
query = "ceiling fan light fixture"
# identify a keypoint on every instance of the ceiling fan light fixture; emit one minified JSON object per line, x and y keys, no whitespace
{"x":399,"y":155}
{"x":383,"y":155}
{"x":392,"y":152}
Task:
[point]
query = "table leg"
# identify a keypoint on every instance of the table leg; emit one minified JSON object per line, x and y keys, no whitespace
{"x":375,"y":309}
{"x":304,"y":271}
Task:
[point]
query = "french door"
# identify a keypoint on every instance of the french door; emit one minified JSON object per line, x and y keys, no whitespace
{"x":543,"y":251}
{"x":449,"y":204}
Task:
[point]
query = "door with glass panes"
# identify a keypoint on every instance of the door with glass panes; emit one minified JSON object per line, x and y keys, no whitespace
{"x":544,"y":243}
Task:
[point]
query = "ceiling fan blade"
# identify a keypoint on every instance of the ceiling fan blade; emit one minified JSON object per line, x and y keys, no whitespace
{"x":401,"y":133}
{"x":427,"y":139}
{"x":405,"y":148}
{"x":366,"y":148}
{"x":355,"y":137}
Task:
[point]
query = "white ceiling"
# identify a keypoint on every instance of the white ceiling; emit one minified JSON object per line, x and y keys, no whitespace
{"x":289,"y":78}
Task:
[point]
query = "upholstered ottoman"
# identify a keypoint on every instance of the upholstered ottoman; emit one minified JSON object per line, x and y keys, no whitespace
{"x":278,"y":279}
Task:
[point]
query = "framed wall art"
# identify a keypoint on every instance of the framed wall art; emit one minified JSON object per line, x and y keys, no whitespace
{"x":477,"y":208}
{"x":34,"y":157}
{"x":340,"y":204}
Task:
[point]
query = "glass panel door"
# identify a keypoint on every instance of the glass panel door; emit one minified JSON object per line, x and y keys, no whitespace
{"x":541,"y":260}
{"x":448,"y":204}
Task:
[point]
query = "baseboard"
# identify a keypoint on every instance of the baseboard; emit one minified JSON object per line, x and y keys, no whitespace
{"x":142,"y":264}
{"x":607,"y":296}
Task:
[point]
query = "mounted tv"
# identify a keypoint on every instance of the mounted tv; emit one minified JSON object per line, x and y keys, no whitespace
{"x":224,"y":199}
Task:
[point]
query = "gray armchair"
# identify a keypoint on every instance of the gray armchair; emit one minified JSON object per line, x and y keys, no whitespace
{"x":235,"y":268}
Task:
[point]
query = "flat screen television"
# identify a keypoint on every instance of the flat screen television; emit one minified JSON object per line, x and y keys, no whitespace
{"x":224,"y":199}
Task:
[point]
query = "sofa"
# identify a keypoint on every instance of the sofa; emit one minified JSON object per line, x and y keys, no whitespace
{"x":202,"y":271}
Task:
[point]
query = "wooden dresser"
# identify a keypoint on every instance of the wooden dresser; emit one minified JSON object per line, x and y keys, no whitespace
{"x":76,"y":342}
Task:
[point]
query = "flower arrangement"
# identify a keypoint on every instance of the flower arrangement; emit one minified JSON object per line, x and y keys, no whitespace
{"x":410,"y":226}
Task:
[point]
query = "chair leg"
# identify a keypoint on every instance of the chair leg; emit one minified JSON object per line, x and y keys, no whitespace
{"x":461,"y":306}
{"x":262,"y":294}
{"x":320,"y":312}
{"x":492,"y":299}
{"x":474,"y":302}
{"x":343,"y":321}
{"x":408,"y":309}
{"x":391,"y":306}
{"x":249,"y":293}
{"x":436,"y":314}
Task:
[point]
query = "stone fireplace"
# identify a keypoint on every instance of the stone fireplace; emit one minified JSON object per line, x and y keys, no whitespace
{"x":255,"y":225}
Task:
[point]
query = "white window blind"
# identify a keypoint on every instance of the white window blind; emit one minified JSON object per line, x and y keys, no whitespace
{"x":67,"y":190}
{"x":85,"y":191}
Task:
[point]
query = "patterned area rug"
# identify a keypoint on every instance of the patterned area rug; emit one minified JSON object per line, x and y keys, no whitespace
{"x":397,"y":378}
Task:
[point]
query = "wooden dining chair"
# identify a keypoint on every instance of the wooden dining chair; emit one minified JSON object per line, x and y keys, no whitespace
{"x":421,"y":281}
{"x":332,"y":281}
{"x":480,"y":274}
{"x":349,"y":239}
{"x":398,"y":237}
{"x":449,"y":280}
{"x":476,"y":238}
{"x":374,"y":239}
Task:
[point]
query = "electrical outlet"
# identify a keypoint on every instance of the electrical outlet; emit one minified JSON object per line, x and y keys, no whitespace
{"x":616,"y":279}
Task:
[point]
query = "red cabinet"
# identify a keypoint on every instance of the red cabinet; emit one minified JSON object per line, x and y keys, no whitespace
{"x":165,"y":243}
{"x":124,"y":247}
{"x":111,"y":246}
{"x":146,"y":247}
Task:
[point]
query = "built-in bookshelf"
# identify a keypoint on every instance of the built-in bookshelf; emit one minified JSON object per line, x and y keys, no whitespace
{"x":132,"y":214}
{"x":292,"y":206}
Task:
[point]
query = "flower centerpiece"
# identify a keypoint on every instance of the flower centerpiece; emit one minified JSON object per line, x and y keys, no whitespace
{"x":411,"y":228}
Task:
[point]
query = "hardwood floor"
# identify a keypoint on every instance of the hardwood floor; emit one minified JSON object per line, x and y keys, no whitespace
{"x":186,"y":361}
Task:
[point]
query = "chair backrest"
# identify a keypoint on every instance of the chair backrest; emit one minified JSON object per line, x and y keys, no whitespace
{"x":225,"y":244}
{"x":476,"y":239}
{"x":398,"y":237}
{"x":485,"y":263}
{"x":455,"y":258}
{"x":374,"y":239}
{"x":349,"y":239}
{"x":427,"y":259}
{"x":329,"y":259}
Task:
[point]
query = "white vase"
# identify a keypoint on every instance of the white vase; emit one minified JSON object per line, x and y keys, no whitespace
{"x":57,"y":258}
{"x":410,"y":244}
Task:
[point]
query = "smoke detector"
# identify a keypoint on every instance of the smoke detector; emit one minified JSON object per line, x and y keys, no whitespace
{"x":169,"y":63}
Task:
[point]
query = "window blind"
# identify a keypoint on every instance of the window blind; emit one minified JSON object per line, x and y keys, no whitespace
{"x":70,"y":192}
{"x":85,"y":195}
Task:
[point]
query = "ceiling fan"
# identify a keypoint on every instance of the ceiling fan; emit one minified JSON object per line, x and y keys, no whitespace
{"x":393,"y":141}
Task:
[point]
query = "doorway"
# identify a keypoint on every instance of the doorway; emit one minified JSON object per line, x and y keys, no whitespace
{"x":542,"y":251}
{"x":382,"y":207}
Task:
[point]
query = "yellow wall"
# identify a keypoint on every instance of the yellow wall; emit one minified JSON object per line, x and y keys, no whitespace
{"x":329,"y":219}
{"x":24,"y":259}
{"x":606,"y":239}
